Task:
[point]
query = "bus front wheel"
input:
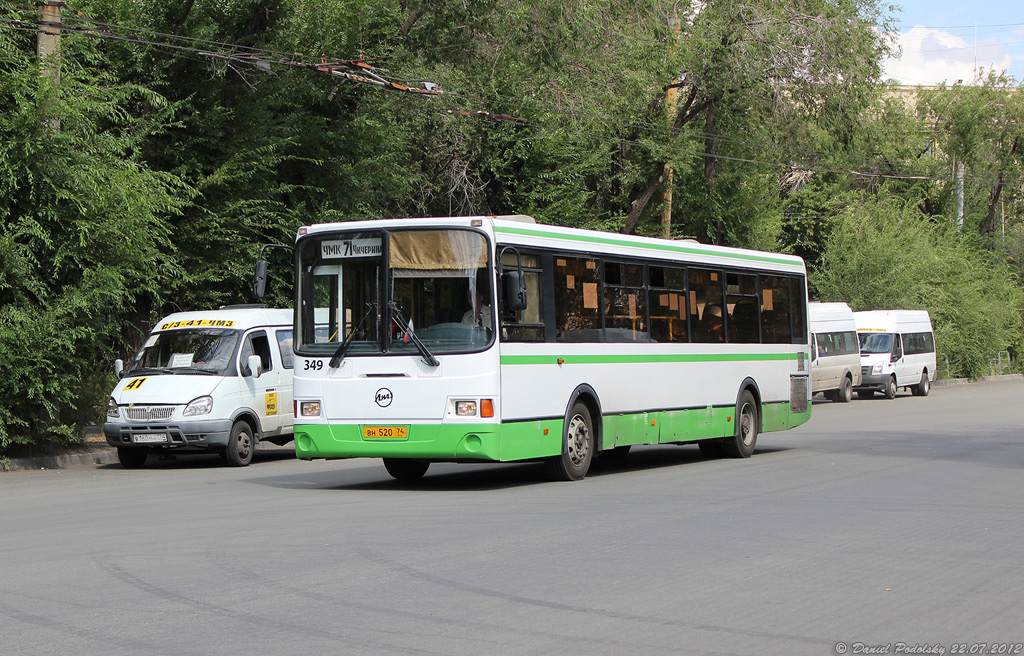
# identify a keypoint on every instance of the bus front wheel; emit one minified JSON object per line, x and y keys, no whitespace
{"x":404,"y":469}
{"x":742,"y":443}
{"x":574,"y":462}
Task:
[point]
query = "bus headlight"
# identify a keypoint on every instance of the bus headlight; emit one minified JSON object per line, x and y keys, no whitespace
{"x":309,"y":409}
{"x":201,"y":406}
{"x":465,"y":408}
{"x":113,"y":412}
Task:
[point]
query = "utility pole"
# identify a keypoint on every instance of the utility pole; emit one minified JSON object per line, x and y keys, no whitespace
{"x":958,"y":168}
{"x":48,"y":50}
{"x":671,"y":93}
{"x":48,"y":40}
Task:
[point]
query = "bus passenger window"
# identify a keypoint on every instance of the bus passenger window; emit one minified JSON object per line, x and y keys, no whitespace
{"x":706,"y":309}
{"x":577,"y":303}
{"x":669,"y":305}
{"x":775,"y":310}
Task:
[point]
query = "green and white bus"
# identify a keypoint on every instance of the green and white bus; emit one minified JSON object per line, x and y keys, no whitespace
{"x":496,"y":339}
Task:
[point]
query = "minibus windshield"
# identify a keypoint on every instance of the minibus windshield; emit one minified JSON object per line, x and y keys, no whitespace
{"x":875,"y":342}
{"x":187,"y":351}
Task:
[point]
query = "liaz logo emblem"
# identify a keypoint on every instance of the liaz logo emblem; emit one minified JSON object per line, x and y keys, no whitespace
{"x":383,"y":397}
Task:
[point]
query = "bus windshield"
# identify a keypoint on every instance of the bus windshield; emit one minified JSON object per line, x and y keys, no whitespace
{"x":875,"y":342}
{"x":374,"y":292}
{"x":187,"y":351}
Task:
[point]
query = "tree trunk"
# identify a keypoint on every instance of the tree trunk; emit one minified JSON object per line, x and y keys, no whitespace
{"x":636,"y":208}
{"x":988,"y":226}
{"x":710,"y":166}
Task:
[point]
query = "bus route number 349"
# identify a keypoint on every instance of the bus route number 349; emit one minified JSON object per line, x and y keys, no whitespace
{"x":313,"y":365}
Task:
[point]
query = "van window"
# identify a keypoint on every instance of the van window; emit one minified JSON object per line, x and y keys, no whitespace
{"x":875,"y":342}
{"x":256,"y":344}
{"x":917,"y":343}
{"x":284,"y":342}
{"x":839,"y":343}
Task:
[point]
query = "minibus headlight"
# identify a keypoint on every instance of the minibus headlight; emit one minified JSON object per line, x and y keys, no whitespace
{"x":877,"y":369}
{"x":465,"y":408}
{"x":309,"y":409}
{"x":113,"y":412}
{"x":201,"y":406}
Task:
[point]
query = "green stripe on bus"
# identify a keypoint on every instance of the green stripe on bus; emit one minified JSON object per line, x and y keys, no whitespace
{"x":647,"y":359}
{"x":656,"y":247}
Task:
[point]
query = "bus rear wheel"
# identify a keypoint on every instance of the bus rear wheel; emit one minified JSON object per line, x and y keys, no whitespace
{"x":405,"y":469}
{"x":574,"y":463}
{"x":742,"y":443}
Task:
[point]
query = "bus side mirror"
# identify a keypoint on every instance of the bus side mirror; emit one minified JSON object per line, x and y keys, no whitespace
{"x":253,"y":366}
{"x":259,"y":279}
{"x":119,"y":368}
{"x":515,"y":290}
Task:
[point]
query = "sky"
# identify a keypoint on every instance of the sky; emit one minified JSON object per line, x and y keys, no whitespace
{"x":948,"y":40}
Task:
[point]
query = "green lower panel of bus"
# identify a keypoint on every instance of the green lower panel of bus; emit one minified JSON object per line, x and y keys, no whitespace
{"x":528,"y":439}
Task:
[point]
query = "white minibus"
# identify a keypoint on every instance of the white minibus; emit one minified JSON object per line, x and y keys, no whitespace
{"x":897,"y":349}
{"x":217,"y":381}
{"x":835,"y":351}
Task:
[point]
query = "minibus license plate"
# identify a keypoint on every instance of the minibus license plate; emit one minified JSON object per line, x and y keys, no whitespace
{"x":150,"y":438}
{"x":395,"y":432}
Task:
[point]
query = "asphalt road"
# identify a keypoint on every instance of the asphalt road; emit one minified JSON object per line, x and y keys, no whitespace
{"x":877,"y":523}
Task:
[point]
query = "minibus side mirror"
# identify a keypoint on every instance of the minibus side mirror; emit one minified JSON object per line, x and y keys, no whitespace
{"x":253,"y":367}
{"x":119,"y":368}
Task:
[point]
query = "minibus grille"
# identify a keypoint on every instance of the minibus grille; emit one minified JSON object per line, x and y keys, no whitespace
{"x":149,"y":413}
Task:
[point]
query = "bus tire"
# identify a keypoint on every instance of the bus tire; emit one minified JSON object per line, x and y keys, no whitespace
{"x":406,"y":469}
{"x":845,"y":392}
{"x":742,"y":443}
{"x":574,"y":463}
{"x":241,"y":445}
{"x":131,"y":458}
{"x":890,"y":388}
{"x":922,"y":388}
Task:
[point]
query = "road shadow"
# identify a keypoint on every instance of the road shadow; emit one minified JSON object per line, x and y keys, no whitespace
{"x":454,"y":477}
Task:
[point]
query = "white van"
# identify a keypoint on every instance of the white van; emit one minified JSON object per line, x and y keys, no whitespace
{"x":897,"y":349}
{"x":216,"y":381}
{"x":835,"y":351}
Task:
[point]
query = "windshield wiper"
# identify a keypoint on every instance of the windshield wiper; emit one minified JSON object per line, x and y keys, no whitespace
{"x":148,"y":370}
{"x":396,"y":314}
{"x":339,"y":355}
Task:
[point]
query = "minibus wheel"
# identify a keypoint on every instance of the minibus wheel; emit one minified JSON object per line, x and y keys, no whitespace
{"x":890,"y":388}
{"x":922,"y":388}
{"x":131,"y":458}
{"x":238,"y":452}
{"x":845,"y":392}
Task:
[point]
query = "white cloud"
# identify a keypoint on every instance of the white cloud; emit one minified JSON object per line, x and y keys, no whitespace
{"x":931,"y":56}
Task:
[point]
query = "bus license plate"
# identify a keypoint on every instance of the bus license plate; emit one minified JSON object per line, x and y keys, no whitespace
{"x":150,"y":438}
{"x":386,"y":432}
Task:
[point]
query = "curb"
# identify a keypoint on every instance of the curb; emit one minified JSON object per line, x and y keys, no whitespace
{"x":979,"y":379}
{"x":103,"y":457}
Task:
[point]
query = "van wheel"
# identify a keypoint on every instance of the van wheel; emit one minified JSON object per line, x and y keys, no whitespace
{"x":922,"y":388}
{"x":845,"y":392}
{"x":405,"y":469}
{"x":890,"y":388}
{"x":131,"y":458}
{"x":579,"y":447}
{"x":741,"y":445}
{"x":241,"y":445}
